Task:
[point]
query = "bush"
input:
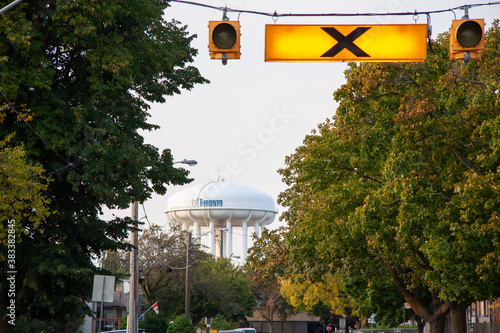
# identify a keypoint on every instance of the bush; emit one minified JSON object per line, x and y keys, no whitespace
{"x":124,"y":323}
{"x":219,"y":323}
{"x":181,"y":325}
{"x":154,"y":323}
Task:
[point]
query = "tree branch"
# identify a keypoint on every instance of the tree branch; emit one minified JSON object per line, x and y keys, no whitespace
{"x":467,"y":80}
{"x":411,"y":298}
{"x":465,"y":161}
{"x":444,"y":197}
{"x":376,"y":96}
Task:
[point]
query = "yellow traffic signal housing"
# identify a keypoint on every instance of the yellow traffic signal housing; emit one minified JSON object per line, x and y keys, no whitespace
{"x":224,"y":37}
{"x":466,"y":36}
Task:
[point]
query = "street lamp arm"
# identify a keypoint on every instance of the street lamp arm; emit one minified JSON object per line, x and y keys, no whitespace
{"x":9,"y":6}
{"x":180,"y":268}
{"x":188,"y":162}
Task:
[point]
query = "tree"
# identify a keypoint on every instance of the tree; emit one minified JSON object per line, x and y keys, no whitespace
{"x":162,"y":262}
{"x":325,"y":298}
{"x":23,"y":206}
{"x":116,"y":262}
{"x":402,"y":180}
{"x":267,"y":261}
{"x":22,"y":187}
{"x":217,"y":287}
{"x":181,"y":325}
{"x":155,"y":323}
{"x":83,"y":74}
{"x":219,"y":323}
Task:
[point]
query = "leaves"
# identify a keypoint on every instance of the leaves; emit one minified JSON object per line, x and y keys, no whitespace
{"x":217,"y":287}
{"x":267,"y":261}
{"x":22,"y":187}
{"x":403,"y":181}
{"x":83,"y":73}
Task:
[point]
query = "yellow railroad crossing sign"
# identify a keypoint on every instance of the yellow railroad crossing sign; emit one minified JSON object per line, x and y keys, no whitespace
{"x":357,"y":43}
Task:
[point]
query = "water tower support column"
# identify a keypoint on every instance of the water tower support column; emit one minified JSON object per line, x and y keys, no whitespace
{"x":229,"y":239}
{"x":212,"y":238}
{"x":244,"y":237}
{"x":196,"y":229}
{"x":196,"y":225}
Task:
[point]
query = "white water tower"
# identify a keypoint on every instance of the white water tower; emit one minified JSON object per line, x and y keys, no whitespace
{"x":217,"y":205}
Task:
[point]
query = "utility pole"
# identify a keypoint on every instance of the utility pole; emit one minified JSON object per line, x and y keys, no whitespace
{"x":134,"y":267}
{"x":188,"y":278}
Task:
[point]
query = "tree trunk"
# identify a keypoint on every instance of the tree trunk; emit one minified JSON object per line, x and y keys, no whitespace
{"x":270,"y":325}
{"x":433,"y":312}
{"x":359,"y":324}
{"x":459,"y":317}
{"x":420,"y":325}
{"x":437,"y":326}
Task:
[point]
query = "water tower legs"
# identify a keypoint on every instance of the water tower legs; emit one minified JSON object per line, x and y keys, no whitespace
{"x":244,"y":239}
{"x":229,"y":239}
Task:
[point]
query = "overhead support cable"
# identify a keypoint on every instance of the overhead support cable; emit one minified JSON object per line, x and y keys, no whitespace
{"x":275,"y":14}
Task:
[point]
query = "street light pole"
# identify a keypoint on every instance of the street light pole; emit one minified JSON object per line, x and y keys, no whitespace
{"x":187,"y":307}
{"x":133,"y":301}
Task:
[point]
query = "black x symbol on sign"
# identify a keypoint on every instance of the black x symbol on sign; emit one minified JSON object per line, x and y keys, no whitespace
{"x":345,"y":42}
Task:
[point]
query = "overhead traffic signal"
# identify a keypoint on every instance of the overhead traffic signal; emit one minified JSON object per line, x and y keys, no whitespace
{"x":466,"y":36}
{"x":224,"y":40}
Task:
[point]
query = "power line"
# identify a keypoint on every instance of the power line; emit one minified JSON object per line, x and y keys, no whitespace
{"x":276,"y":15}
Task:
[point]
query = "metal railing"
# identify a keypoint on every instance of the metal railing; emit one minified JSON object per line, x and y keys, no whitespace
{"x":485,"y":328}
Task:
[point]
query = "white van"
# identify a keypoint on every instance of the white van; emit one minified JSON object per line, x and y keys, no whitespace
{"x":247,"y":330}
{"x":240,"y":330}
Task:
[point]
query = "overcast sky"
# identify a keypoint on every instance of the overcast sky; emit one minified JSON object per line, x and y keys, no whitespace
{"x":242,"y":125}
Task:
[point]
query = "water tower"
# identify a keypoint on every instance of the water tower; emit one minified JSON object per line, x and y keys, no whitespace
{"x":210,"y":207}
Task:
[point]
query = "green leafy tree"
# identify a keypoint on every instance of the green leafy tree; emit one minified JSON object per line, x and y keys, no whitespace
{"x":123,"y":325}
{"x":23,"y":207}
{"x":155,"y":323}
{"x":162,"y":262}
{"x":219,"y":323}
{"x":217,"y":287}
{"x":78,"y":78}
{"x":401,"y":183}
{"x":267,"y":261}
{"x":181,"y":325}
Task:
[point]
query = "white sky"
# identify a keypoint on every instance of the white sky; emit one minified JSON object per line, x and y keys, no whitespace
{"x":253,"y":114}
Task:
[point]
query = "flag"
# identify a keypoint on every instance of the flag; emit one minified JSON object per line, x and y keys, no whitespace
{"x":155,"y":307}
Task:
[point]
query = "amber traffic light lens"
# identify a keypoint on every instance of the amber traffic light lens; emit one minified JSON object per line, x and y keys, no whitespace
{"x":224,"y":36}
{"x":469,"y":34}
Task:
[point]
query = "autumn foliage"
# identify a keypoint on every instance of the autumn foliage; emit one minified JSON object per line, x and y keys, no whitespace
{"x":402,"y":184}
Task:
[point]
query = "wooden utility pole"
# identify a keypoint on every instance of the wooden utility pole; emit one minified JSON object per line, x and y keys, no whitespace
{"x":188,"y":278}
{"x":134,"y":265}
